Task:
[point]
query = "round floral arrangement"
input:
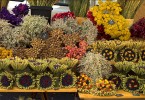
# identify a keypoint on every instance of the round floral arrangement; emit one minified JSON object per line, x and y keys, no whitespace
{"x":84,"y":83}
{"x":25,"y":81}
{"x":68,"y":79}
{"x":104,"y":88}
{"x":131,"y":83}
{"x":6,"y":80}
{"x":107,"y":15}
{"x":44,"y":81}
{"x":117,"y":79}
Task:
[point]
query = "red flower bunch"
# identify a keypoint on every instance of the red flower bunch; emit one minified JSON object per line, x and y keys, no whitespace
{"x":63,"y":15}
{"x":77,"y":52}
{"x":138,"y":29}
{"x":101,"y":33}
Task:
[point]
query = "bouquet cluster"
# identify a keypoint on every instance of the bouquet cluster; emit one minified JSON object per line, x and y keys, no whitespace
{"x":16,"y":18}
{"x":64,"y":15}
{"x":107,"y":15}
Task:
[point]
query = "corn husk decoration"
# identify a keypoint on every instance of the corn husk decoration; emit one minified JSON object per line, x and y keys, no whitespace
{"x":70,"y":62}
{"x":38,"y":65}
{"x":57,"y":68}
{"x":19,"y":64}
{"x":4,"y":63}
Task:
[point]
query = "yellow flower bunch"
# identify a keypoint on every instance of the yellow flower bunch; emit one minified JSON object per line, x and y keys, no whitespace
{"x":108,"y":15}
{"x":4,"y":53}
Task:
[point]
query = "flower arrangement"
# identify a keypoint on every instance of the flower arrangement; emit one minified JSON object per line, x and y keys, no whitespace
{"x":21,"y":10}
{"x":42,"y":2}
{"x":129,"y":7}
{"x":63,"y":15}
{"x":38,"y":65}
{"x":34,"y":26}
{"x":84,"y":83}
{"x":16,"y":18}
{"x":45,"y":81}
{"x":6,"y":80}
{"x":117,"y":79}
{"x":68,"y":25}
{"x":79,"y":7}
{"x":68,"y":79}
{"x":89,"y":31}
{"x":104,"y":88}
{"x":137,"y":29}
{"x":18,"y":63}
{"x":94,"y":66}
{"x":107,"y":14}
{"x":25,"y":80}
{"x":131,"y":83}
{"x":77,"y":52}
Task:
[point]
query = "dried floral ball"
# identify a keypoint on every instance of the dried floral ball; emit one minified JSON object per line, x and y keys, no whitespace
{"x":34,"y":26}
{"x":131,"y":84}
{"x":117,"y":79}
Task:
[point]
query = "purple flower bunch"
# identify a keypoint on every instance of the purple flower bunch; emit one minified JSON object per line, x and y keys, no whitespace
{"x":16,"y":18}
{"x":21,"y":10}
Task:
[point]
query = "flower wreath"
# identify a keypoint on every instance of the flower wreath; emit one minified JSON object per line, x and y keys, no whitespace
{"x":25,"y":80}
{"x":131,"y":84}
{"x":84,"y":83}
{"x":107,"y":49}
{"x":6,"y":80}
{"x":117,"y":79}
{"x":129,"y":54}
{"x":68,"y":79}
{"x":45,"y":81}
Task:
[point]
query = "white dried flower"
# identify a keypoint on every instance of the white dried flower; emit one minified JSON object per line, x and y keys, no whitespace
{"x":95,"y":66}
{"x":89,"y":31}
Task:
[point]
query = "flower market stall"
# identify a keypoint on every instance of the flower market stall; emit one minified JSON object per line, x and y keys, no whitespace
{"x":101,"y":56}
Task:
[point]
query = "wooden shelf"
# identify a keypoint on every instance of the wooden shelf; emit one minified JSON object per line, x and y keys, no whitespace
{"x":127,"y":95}
{"x":15,"y":89}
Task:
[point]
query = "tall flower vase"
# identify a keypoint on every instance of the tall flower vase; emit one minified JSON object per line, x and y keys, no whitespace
{"x":42,"y":11}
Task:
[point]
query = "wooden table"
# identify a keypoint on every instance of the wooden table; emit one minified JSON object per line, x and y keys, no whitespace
{"x":127,"y":96}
